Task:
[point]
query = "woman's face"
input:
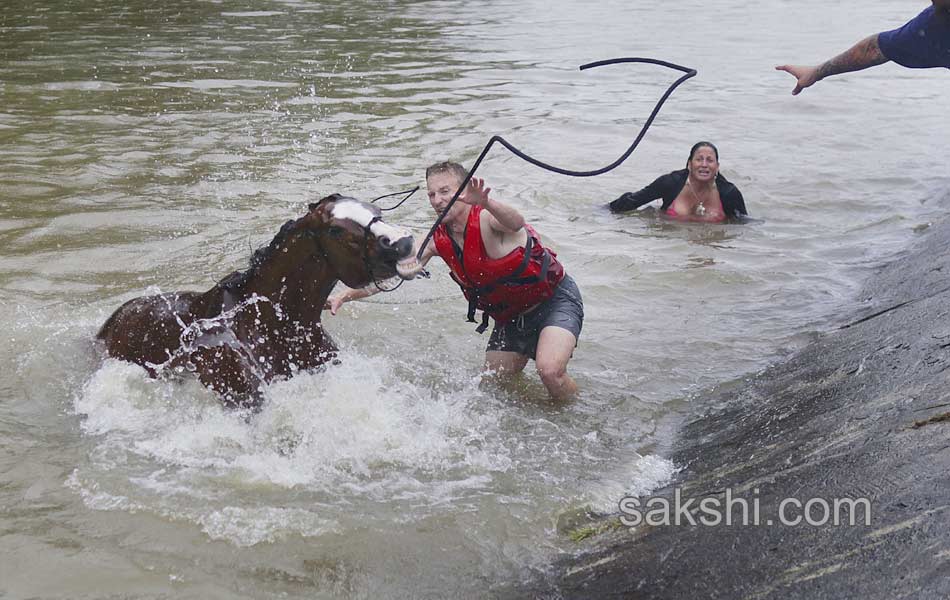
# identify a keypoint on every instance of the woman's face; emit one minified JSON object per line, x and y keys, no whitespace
{"x":704,"y":165}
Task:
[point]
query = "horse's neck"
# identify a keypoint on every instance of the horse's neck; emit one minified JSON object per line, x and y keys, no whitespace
{"x":294,"y":276}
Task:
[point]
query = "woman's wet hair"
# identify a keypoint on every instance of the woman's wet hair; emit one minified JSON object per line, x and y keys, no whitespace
{"x":699,"y":145}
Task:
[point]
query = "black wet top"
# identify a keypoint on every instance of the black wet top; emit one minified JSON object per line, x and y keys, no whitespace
{"x":669,"y":186}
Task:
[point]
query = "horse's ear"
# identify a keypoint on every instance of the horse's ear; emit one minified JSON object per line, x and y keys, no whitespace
{"x":330,"y":198}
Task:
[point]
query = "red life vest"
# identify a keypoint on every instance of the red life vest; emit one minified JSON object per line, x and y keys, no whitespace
{"x":502,"y":288}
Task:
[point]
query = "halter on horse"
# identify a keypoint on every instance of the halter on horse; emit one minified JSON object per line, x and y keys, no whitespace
{"x":263,"y":323}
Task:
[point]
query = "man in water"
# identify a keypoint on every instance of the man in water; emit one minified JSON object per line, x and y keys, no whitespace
{"x":504,"y":271}
{"x":922,"y":43}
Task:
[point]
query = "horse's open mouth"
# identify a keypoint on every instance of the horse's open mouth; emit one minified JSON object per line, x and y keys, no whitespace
{"x":408,"y":267}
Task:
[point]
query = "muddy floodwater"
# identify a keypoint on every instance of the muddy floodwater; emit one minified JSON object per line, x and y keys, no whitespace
{"x":152,"y":146}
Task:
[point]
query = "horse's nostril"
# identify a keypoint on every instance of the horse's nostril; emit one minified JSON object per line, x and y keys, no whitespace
{"x":401,"y":247}
{"x":404,"y":246}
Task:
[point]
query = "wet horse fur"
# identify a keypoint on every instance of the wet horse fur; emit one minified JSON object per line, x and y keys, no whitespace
{"x":262,"y":323}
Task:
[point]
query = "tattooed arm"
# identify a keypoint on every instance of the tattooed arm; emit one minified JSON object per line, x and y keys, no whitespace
{"x":864,"y":54}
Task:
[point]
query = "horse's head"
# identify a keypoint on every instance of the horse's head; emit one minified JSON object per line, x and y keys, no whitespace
{"x":358,"y":245}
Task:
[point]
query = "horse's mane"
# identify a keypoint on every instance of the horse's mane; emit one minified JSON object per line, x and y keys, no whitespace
{"x":236,"y":280}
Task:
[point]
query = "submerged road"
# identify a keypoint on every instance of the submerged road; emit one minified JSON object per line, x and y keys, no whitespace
{"x":863,"y":412}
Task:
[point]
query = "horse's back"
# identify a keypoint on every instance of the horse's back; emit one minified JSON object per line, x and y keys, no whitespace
{"x":147,"y":330}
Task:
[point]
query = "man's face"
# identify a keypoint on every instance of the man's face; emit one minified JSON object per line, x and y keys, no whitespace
{"x":440,"y":188}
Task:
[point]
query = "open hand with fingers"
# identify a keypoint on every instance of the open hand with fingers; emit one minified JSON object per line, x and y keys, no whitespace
{"x":806,"y":76}
{"x":476,"y":193}
{"x":333,"y":303}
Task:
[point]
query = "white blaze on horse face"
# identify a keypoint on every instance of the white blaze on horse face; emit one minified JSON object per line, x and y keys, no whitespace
{"x":359,"y":213}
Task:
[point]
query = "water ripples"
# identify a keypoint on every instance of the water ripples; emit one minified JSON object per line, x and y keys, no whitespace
{"x":157,"y":144}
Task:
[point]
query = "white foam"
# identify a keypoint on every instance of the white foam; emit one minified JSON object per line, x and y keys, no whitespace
{"x":353,"y":431}
{"x":640,"y":478}
{"x":247,"y":527}
{"x":239,"y":526}
{"x":349,"y":420}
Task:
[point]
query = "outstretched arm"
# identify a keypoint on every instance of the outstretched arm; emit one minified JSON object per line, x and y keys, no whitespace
{"x":634,"y":200}
{"x":335,"y":301}
{"x":864,"y":54}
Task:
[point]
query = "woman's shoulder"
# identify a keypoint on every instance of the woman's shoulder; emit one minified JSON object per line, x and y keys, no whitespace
{"x":731,"y":197}
{"x":673,"y":178}
{"x":725,"y":186}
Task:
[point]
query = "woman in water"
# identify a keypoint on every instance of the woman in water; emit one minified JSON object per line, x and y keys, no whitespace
{"x":697,"y":193}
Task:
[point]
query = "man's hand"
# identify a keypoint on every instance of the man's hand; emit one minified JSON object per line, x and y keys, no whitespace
{"x":334,"y":303}
{"x":864,"y":54}
{"x":476,"y":193}
{"x":806,"y":76}
{"x":337,"y":300}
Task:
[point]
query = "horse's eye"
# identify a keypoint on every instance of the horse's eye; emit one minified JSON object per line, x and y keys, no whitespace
{"x":336,"y":232}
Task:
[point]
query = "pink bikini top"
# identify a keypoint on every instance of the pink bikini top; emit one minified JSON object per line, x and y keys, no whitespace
{"x":672,"y":213}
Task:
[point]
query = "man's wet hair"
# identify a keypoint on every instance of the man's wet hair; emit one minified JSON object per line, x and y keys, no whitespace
{"x":447,"y":167}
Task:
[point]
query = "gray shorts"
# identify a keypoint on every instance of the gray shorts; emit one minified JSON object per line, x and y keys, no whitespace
{"x":564,"y":309}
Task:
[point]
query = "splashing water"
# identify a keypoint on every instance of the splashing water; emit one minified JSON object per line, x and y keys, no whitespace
{"x":351,"y":431}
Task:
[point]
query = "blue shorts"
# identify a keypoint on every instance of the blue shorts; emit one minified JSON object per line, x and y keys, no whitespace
{"x":564,"y":309}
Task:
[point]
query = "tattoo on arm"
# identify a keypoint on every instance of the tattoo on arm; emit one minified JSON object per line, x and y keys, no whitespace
{"x":864,"y":54}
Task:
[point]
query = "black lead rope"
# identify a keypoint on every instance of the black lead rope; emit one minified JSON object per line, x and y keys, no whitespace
{"x":367,"y":233}
{"x":497,"y":138}
{"x":408,"y":194}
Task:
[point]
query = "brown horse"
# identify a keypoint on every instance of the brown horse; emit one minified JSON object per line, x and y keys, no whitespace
{"x":263,"y":323}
